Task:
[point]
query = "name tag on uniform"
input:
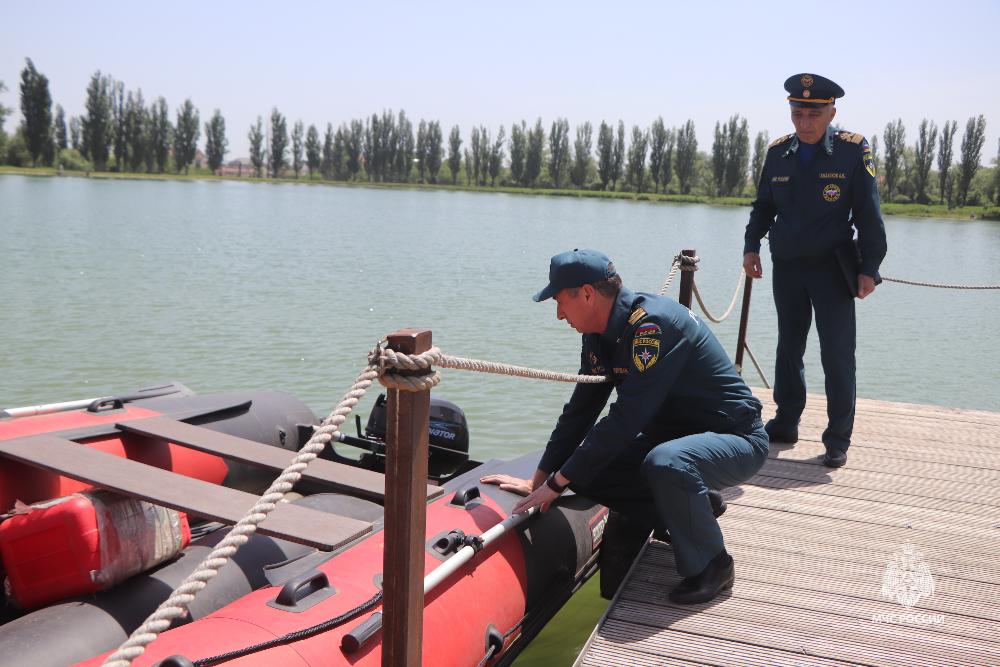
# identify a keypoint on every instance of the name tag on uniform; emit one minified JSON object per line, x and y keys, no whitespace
{"x":779,"y":179}
{"x":833,"y":174}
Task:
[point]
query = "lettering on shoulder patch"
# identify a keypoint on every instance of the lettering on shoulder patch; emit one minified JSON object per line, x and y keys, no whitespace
{"x":636,"y":315}
{"x":781,"y":140}
{"x":646,"y":346}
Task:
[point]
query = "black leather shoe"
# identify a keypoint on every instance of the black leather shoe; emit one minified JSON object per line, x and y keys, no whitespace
{"x":834,"y":458}
{"x":717,"y":576}
{"x":778,"y":433}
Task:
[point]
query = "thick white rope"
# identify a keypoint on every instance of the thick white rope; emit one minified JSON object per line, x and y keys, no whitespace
{"x":732,"y":304}
{"x":380,"y":361}
{"x":176,"y":605}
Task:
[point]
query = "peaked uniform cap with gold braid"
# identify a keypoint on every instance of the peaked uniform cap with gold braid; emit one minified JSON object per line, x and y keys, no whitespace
{"x":811,"y":90}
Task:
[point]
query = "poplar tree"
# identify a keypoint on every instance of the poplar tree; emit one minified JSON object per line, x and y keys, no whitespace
{"x":687,"y":151}
{"x":421,"y":150}
{"x":637,"y":158}
{"x":215,"y":141}
{"x":74,"y":133}
{"x":535,"y":153}
{"x":657,"y":143}
{"x":354,"y":136}
{"x":468,"y":168}
{"x":496,"y":156}
{"x":405,"y":148}
{"x":434,"y":149}
{"x":720,"y":147}
{"x":59,"y":128}
{"x":135,"y":130}
{"x":605,"y":153}
{"x":477,"y":155}
{"x":256,"y":137}
{"x":618,"y":155}
{"x":895,"y":141}
{"x":454,"y":153}
{"x":972,"y":150}
{"x":298,"y":130}
{"x":581,"y":154}
{"x":759,"y":154}
{"x":36,"y":109}
{"x":996,"y":176}
{"x":558,"y":149}
{"x":518,"y":149}
{"x":279,"y":143}
{"x":186,"y":135}
{"x":667,"y":166}
{"x":3,"y":117}
{"x":314,"y":149}
{"x":95,"y":139}
{"x":945,"y":152}
{"x":923,"y":158}
{"x":737,"y":155}
{"x":161,"y":134}
{"x":326,"y":161}
{"x":338,"y":168}
{"x":119,"y":124}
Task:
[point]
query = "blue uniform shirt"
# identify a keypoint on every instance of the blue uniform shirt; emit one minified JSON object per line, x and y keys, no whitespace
{"x":809,"y":208}
{"x":671,"y":375}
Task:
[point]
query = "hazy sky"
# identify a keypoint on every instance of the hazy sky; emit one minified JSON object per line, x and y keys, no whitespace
{"x":494,"y":63}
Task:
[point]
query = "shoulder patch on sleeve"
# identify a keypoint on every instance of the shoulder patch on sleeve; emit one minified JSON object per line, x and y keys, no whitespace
{"x":781,"y":140}
{"x":867,"y":158}
{"x":636,"y":315}
{"x":852,"y":137}
{"x":646,"y":346}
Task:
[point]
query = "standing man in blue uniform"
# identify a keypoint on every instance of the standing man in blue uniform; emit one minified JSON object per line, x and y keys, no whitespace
{"x":683,"y":421}
{"x":816,"y":184}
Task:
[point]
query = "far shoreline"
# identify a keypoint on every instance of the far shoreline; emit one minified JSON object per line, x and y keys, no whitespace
{"x":990,"y":213}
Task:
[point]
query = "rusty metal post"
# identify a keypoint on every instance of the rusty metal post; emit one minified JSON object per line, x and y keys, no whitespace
{"x":741,"y":338}
{"x":687,"y":282}
{"x":405,"y":513}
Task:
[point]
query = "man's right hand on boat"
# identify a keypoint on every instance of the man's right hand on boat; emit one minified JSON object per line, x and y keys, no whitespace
{"x":509,"y":483}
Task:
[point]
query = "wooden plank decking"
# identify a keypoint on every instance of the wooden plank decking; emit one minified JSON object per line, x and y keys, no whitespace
{"x":813,"y":545}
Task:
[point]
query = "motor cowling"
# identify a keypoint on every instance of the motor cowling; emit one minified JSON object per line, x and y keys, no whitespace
{"x":447,"y":431}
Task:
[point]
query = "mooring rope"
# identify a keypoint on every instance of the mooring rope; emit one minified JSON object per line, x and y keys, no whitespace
{"x":938,"y":285}
{"x":732,"y":304}
{"x":382,"y":365}
{"x":681,"y":262}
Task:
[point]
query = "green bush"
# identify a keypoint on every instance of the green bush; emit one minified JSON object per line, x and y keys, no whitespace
{"x":71,"y":160}
{"x":17,"y":151}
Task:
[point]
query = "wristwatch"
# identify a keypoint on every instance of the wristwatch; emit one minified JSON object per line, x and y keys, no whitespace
{"x":551,"y":482}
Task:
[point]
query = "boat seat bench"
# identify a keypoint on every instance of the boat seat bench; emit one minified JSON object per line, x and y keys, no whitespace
{"x":338,"y":476}
{"x":295,"y":523}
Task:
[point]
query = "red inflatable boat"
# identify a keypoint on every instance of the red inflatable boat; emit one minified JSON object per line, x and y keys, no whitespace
{"x":306,"y":589}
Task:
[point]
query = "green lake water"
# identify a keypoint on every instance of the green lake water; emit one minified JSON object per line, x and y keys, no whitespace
{"x":107,"y":285}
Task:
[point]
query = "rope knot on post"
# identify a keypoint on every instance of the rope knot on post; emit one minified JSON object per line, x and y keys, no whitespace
{"x":407,"y":372}
{"x":687,"y":263}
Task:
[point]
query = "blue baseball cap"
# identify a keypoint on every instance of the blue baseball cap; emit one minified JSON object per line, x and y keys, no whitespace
{"x":574,"y":268}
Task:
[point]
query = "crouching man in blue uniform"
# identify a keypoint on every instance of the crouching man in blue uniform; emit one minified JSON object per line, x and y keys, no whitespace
{"x":683,"y":421}
{"x":815,"y":186}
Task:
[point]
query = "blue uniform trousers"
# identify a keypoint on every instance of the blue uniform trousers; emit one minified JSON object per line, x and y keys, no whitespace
{"x":799,"y":288}
{"x":667,"y":483}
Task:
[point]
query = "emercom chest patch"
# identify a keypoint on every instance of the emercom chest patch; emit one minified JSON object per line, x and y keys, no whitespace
{"x":646,"y":346}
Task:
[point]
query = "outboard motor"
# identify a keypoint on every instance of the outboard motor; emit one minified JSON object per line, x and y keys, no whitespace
{"x":448,"y":435}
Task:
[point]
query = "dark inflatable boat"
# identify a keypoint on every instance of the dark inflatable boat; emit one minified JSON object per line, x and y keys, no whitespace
{"x":287,"y":596}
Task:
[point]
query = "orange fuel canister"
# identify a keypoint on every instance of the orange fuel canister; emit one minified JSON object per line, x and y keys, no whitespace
{"x":84,"y":543}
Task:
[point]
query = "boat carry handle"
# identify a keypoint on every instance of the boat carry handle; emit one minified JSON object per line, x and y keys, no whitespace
{"x":303,"y":591}
{"x":465,"y":495}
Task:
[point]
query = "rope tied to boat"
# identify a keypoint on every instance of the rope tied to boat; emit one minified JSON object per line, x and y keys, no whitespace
{"x":681,"y":262}
{"x":393,"y":370}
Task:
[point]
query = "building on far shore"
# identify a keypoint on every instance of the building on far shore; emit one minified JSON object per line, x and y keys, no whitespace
{"x":239,"y":167}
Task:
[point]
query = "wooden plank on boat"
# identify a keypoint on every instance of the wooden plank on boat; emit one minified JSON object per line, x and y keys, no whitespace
{"x":162,"y":487}
{"x":338,"y":476}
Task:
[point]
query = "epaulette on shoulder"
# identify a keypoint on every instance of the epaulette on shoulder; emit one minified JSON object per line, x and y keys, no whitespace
{"x":636,"y":315}
{"x":781,"y":140}
{"x":852,"y":137}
